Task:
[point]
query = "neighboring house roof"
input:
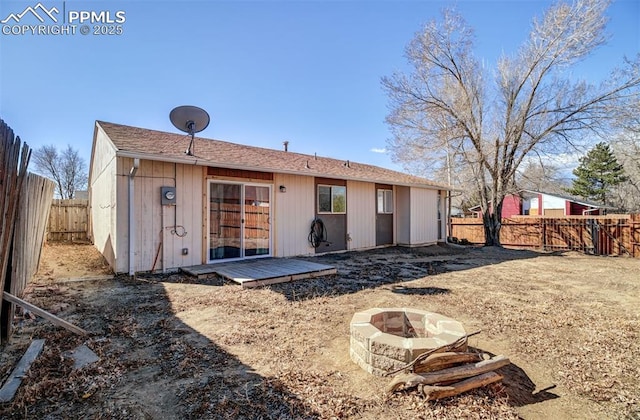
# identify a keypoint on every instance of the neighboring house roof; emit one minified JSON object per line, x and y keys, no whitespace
{"x":148,"y":144}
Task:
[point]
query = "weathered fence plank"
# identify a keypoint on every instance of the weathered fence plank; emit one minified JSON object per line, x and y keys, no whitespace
{"x":14,"y":160}
{"x":10,"y":387}
{"x":634,"y":235}
{"x":600,"y":235}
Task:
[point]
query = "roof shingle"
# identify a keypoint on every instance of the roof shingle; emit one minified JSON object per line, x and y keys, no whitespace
{"x":159,"y":145}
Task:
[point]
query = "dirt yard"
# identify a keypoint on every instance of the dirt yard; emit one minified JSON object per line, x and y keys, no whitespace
{"x":173,"y":347}
{"x":61,"y":261}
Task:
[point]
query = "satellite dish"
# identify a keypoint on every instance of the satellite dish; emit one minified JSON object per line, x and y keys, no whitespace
{"x":189,"y":119}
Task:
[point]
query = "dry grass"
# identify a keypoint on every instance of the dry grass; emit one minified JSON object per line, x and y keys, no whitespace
{"x":174,"y":348}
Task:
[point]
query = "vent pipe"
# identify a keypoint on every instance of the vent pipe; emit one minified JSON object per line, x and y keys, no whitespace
{"x":286,"y":145}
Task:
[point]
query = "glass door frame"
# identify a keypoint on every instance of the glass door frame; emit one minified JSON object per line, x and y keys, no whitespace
{"x":242,"y":224}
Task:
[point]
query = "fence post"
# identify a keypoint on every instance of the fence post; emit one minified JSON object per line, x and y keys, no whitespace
{"x":635,"y":234}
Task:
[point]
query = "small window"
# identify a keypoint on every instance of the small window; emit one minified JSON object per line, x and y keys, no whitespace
{"x":324,"y":199}
{"x":332,"y":199}
{"x":385,"y":201}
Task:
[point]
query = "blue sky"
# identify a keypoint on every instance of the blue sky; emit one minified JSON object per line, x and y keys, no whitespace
{"x":268,"y":71}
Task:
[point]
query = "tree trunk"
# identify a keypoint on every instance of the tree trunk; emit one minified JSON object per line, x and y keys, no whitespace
{"x":492,"y":225}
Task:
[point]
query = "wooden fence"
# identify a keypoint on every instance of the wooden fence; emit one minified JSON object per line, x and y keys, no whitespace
{"x":14,"y":159}
{"x":68,"y":220}
{"x":30,"y":226}
{"x":25,"y":202}
{"x":226,"y":221}
{"x":33,"y":214}
{"x":599,"y":235}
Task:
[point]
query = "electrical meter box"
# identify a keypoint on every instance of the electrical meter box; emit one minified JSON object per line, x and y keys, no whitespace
{"x":168,"y":196}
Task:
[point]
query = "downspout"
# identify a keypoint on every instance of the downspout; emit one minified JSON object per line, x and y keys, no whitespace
{"x":132,"y":242}
{"x":449,"y":221}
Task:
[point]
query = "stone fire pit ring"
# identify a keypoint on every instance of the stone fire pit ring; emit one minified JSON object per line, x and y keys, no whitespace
{"x":384,"y":339}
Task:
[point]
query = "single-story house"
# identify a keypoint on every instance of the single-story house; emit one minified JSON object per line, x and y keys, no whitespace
{"x":535,"y":203}
{"x":154,"y":207}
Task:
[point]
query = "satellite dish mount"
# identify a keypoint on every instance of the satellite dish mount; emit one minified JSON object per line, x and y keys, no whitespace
{"x":191,"y":120}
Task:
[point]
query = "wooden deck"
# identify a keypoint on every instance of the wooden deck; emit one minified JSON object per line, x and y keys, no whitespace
{"x":263,"y":271}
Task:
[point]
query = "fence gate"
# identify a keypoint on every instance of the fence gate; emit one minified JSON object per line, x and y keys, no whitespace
{"x":68,"y":220}
{"x":597,"y":236}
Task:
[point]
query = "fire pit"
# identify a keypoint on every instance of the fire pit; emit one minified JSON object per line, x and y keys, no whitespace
{"x":384,"y":339}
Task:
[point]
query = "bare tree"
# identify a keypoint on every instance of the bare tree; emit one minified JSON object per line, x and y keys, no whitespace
{"x":67,"y":169}
{"x":626,"y":146}
{"x":627,"y":150}
{"x":449,"y":102}
{"x":537,"y":175}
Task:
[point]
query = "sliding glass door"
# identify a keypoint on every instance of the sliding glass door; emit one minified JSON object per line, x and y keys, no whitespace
{"x":257,"y":227}
{"x":239,"y":220}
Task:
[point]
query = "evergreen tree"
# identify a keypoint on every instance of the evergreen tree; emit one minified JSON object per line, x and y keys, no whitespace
{"x":597,"y":173}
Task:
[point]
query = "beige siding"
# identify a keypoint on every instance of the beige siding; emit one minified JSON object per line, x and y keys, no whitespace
{"x":161,"y":231}
{"x":189,"y":215}
{"x":403,"y":215}
{"x":102,"y":204}
{"x":424,"y":216}
{"x":294,"y":212}
{"x":103,"y":154}
{"x":361,"y":214}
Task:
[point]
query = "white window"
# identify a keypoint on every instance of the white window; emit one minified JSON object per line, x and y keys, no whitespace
{"x":332,"y":199}
{"x":385,"y":201}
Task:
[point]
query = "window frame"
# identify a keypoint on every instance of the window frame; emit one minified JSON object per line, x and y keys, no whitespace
{"x":331,"y":195}
{"x":384,"y":209}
